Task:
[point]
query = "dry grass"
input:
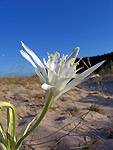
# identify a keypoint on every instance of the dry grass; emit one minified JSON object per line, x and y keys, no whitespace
{"x":109,"y":133}
{"x":96,"y":108}
{"x":91,"y":145}
{"x":88,"y":145}
{"x":73,"y":111}
{"x":20,"y":80}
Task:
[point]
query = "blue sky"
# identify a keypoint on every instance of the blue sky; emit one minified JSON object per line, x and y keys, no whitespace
{"x":53,"y":25}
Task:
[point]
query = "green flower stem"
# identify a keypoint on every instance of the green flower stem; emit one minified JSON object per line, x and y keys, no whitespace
{"x":39,"y":119}
{"x":53,"y":99}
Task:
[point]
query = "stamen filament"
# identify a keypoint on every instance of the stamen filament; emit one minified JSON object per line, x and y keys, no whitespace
{"x":65,"y":57}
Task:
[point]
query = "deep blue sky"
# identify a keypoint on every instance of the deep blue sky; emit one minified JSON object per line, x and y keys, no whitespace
{"x":53,"y":25}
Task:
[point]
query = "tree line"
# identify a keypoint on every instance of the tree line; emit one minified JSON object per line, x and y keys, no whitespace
{"x":90,"y":61}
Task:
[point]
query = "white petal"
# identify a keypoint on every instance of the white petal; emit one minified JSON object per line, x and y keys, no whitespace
{"x":90,"y":70}
{"x":65,"y":90}
{"x":36,"y":59}
{"x":45,"y":63}
{"x":27,"y":57}
{"x":46,"y":86}
{"x":70,"y":72}
{"x":42,"y":79}
{"x":65,"y":71}
{"x":44,"y":73}
{"x":76,"y":81}
{"x":61,"y":83}
{"x":73,"y":54}
{"x":78,"y":69}
{"x":82,"y":76}
{"x":93,"y":76}
{"x":52,"y":76}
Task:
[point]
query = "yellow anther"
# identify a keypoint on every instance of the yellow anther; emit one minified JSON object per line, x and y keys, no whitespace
{"x":65,"y":57}
{"x":60,"y":59}
{"x":75,"y":64}
{"x":72,"y":63}
{"x":51,"y":56}
{"x":57,"y":54}
{"x":72,"y":59}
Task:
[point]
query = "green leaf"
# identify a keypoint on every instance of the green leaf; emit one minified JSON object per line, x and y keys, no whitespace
{"x":8,"y":105}
{"x":9,"y":125}
{"x":3,"y":147}
{"x":2,"y":130}
{"x":2,"y":135}
{"x":23,"y":131}
{"x":2,"y":140}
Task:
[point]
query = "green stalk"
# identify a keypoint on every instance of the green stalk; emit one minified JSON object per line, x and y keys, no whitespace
{"x":0,"y":114}
{"x":39,"y":119}
{"x":14,"y":129}
{"x":1,"y":128}
{"x":5,"y":104}
{"x":9,"y":122}
{"x":53,"y":99}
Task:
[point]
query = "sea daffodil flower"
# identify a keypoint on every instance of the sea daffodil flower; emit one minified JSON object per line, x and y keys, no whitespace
{"x":59,"y":74}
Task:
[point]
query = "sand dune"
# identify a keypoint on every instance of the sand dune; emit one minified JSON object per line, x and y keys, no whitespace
{"x":83,"y":117}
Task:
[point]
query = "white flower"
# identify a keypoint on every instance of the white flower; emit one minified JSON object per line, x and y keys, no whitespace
{"x":58,"y":74}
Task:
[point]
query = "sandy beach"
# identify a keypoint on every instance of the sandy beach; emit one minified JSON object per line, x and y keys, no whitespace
{"x":80,"y":119}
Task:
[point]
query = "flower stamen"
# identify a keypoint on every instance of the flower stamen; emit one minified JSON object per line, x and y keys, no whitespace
{"x":60,"y":59}
{"x":65,"y":57}
{"x":51,"y":55}
{"x":76,"y":64}
{"x":58,"y":55}
{"x":71,"y":62}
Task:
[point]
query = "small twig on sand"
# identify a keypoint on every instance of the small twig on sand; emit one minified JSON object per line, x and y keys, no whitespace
{"x":81,"y":119}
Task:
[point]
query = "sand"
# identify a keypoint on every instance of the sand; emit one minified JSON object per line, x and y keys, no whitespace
{"x":80,"y":119}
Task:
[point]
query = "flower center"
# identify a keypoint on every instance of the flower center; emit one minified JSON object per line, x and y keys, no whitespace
{"x":58,"y":55}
